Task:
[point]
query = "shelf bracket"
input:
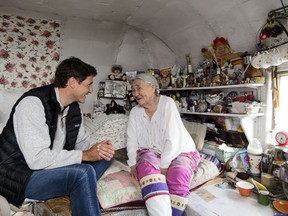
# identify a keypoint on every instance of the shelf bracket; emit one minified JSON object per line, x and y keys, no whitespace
{"x":247,"y":125}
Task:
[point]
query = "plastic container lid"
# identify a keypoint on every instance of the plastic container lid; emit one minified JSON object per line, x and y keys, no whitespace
{"x":254,"y":147}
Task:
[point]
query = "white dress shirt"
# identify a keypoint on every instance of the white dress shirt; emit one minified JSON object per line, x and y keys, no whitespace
{"x":32,"y":135}
{"x":164,"y":133}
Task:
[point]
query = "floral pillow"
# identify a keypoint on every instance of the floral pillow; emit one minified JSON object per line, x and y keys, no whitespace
{"x":116,"y":186}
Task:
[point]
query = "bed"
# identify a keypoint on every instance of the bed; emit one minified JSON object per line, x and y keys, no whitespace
{"x":118,"y":193}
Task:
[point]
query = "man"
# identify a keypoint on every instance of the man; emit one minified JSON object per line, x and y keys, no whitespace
{"x":44,"y":149}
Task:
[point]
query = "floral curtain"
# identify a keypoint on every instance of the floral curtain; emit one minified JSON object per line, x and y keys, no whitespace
{"x":29,"y":51}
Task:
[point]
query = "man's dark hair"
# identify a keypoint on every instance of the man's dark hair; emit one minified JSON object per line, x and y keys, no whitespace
{"x":73,"y":67}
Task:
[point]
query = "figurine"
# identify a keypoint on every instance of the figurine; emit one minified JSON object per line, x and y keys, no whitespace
{"x":165,"y":78}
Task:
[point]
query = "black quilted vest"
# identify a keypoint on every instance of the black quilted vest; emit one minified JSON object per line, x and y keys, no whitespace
{"x":14,"y":171}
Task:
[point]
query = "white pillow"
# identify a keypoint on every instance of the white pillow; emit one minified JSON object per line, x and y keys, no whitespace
{"x":8,"y":97}
{"x":197,"y":131}
{"x":113,"y":127}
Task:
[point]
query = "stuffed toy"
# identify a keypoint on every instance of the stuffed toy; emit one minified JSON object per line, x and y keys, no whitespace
{"x":114,"y":108}
{"x":117,"y":73}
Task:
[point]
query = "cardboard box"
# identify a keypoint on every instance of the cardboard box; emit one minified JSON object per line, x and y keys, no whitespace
{"x":213,"y":149}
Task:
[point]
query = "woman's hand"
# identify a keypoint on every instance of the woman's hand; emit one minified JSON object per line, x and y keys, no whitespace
{"x":164,"y":171}
{"x":103,"y":150}
{"x":133,"y":172}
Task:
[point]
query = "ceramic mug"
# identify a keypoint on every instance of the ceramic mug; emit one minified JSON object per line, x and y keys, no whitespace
{"x":263,"y":197}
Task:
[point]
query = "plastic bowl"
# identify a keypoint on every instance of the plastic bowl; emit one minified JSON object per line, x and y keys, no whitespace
{"x":244,"y":188}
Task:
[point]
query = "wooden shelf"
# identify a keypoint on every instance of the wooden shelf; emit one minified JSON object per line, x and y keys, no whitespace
{"x":248,"y":85}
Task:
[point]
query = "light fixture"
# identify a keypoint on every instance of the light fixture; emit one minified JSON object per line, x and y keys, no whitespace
{"x":273,"y":33}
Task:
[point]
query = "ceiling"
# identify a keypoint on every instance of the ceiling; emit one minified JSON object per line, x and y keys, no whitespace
{"x":183,"y":25}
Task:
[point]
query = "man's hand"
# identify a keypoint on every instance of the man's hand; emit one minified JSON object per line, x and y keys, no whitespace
{"x":103,"y":150}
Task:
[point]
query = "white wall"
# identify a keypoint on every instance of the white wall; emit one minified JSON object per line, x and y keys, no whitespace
{"x":103,"y":44}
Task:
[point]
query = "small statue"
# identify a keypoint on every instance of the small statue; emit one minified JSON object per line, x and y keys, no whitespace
{"x":224,"y":78}
{"x":165,"y":78}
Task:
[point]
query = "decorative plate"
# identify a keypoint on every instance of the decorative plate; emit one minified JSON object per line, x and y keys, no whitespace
{"x":231,"y":96}
{"x":281,"y":206}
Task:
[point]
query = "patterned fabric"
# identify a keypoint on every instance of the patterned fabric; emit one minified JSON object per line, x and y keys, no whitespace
{"x":188,"y":160}
{"x":118,"y":188}
{"x":145,"y":155}
{"x":206,"y":170}
{"x":213,"y":159}
{"x":111,"y":127}
{"x":178,"y":202}
{"x":153,"y":185}
{"x":29,"y":51}
{"x":178,"y":174}
{"x":151,"y":179}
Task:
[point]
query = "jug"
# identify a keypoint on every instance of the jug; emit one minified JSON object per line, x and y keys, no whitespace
{"x":255,"y":152}
{"x":213,"y":99}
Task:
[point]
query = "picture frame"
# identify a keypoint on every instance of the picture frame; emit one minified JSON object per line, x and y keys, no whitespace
{"x":115,"y":89}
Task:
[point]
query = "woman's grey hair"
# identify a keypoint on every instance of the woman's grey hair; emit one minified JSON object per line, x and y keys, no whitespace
{"x":149,"y":79}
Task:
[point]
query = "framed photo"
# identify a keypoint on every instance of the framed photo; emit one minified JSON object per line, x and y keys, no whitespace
{"x":115,"y":89}
{"x":131,"y":75}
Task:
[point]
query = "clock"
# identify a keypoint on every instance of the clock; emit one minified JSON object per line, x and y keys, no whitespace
{"x":282,"y":138}
{"x":202,"y":106}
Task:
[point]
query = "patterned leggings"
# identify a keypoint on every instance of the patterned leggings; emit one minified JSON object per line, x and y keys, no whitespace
{"x":177,"y":182}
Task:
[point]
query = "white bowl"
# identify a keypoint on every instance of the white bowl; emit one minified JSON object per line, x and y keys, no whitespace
{"x":250,"y":109}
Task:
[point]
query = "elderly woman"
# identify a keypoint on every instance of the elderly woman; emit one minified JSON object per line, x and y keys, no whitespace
{"x":162,"y":154}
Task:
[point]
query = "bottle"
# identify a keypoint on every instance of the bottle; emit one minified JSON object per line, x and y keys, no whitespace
{"x":255,"y":152}
{"x":270,"y":140}
{"x":189,"y":65}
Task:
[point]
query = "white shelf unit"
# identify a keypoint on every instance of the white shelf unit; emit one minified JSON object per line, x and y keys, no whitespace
{"x":239,"y":115}
{"x":247,"y":121}
{"x":248,"y":85}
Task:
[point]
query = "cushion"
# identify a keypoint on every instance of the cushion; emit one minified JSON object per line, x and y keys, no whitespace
{"x":197,"y":131}
{"x":118,"y":187}
{"x":113,"y":127}
{"x":206,"y":170}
